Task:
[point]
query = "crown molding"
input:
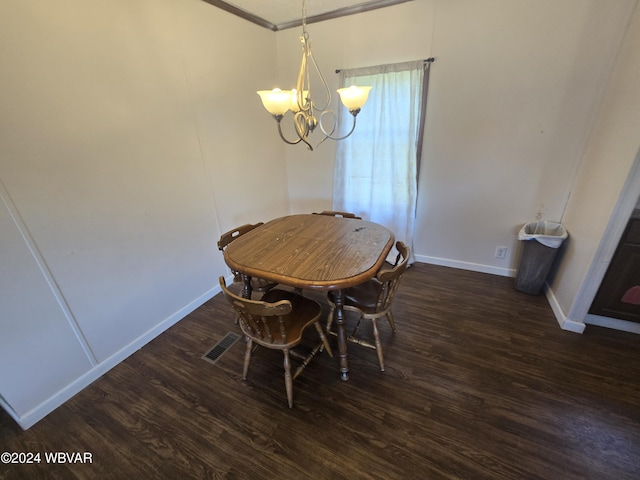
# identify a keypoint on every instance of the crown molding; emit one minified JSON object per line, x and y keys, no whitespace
{"x":341,"y":12}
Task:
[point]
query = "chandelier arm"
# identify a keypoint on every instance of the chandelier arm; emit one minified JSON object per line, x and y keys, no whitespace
{"x":333,"y":129}
{"x":302,"y":128}
{"x":308,"y":144}
{"x":302,"y":84}
{"x":329,"y":134}
{"x":278,"y":119}
{"x":324,"y":84}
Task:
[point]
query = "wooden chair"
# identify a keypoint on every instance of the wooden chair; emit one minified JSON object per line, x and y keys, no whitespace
{"x":277,"y":322}
{"x":257,"y":284}
{"x":338,"y":214}
{"x":372,"y":300}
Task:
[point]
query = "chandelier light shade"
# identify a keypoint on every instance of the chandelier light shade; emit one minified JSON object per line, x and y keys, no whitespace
{"x":354,"y":97}
{"x":276,"y":101}
{"x":304,"y":106}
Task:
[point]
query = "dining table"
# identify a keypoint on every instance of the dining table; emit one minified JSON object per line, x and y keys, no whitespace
{"x":313,"y":252}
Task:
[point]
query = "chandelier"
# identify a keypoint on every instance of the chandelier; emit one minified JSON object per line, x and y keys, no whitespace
{"x":305,"y":108}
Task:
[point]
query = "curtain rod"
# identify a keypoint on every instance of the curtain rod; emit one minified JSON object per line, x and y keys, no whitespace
{"x":428,"y":60}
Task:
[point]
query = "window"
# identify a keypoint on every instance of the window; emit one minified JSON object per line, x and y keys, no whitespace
{"x":376,"y":167}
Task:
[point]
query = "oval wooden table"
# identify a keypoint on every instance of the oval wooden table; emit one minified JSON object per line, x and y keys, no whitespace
{"x":313,"y":252}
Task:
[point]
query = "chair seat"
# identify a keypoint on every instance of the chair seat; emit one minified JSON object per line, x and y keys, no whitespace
{"x":257,"y":284}
{"x":277,"y":322}
{"x":364,"y":296}
{"x":304,"y":309}
{"x":261,"y":284}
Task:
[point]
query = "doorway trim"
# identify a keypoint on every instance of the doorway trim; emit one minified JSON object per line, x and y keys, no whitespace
{"x":622,"y":211}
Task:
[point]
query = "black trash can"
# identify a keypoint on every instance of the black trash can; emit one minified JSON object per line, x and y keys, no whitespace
{"x":540,"y":243}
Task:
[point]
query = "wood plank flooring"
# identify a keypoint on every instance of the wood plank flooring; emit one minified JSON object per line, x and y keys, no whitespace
{"x":480,"y":383}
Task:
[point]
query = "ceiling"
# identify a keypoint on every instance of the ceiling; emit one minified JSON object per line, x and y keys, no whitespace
{"x":281,"y":14}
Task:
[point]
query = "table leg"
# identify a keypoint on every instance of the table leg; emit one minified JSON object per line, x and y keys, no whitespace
{"x":342,"y":334}
{"x":246,"y":291}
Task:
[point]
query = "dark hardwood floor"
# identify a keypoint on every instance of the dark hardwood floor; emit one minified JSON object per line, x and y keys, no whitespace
{"x":480,"y":383}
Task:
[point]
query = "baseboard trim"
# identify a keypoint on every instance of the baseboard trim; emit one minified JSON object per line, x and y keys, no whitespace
{"x":49,"y":405}
{"x":614,"y":323}
{"x":475,"y":267}
{"x":564,"y":322}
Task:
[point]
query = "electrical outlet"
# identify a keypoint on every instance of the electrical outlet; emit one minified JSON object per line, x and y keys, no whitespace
{"x":501,"y":252}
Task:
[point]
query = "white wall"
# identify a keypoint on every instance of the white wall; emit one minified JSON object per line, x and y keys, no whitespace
{"x":511,"y":103}
{"x":128,"y":143}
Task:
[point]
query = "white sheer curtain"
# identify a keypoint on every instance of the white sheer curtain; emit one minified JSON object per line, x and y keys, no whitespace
{"x":376,"y":168}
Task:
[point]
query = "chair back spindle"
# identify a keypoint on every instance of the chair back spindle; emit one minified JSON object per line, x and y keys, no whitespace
{"x":390,"y":279}
{"x":257,"y":284}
